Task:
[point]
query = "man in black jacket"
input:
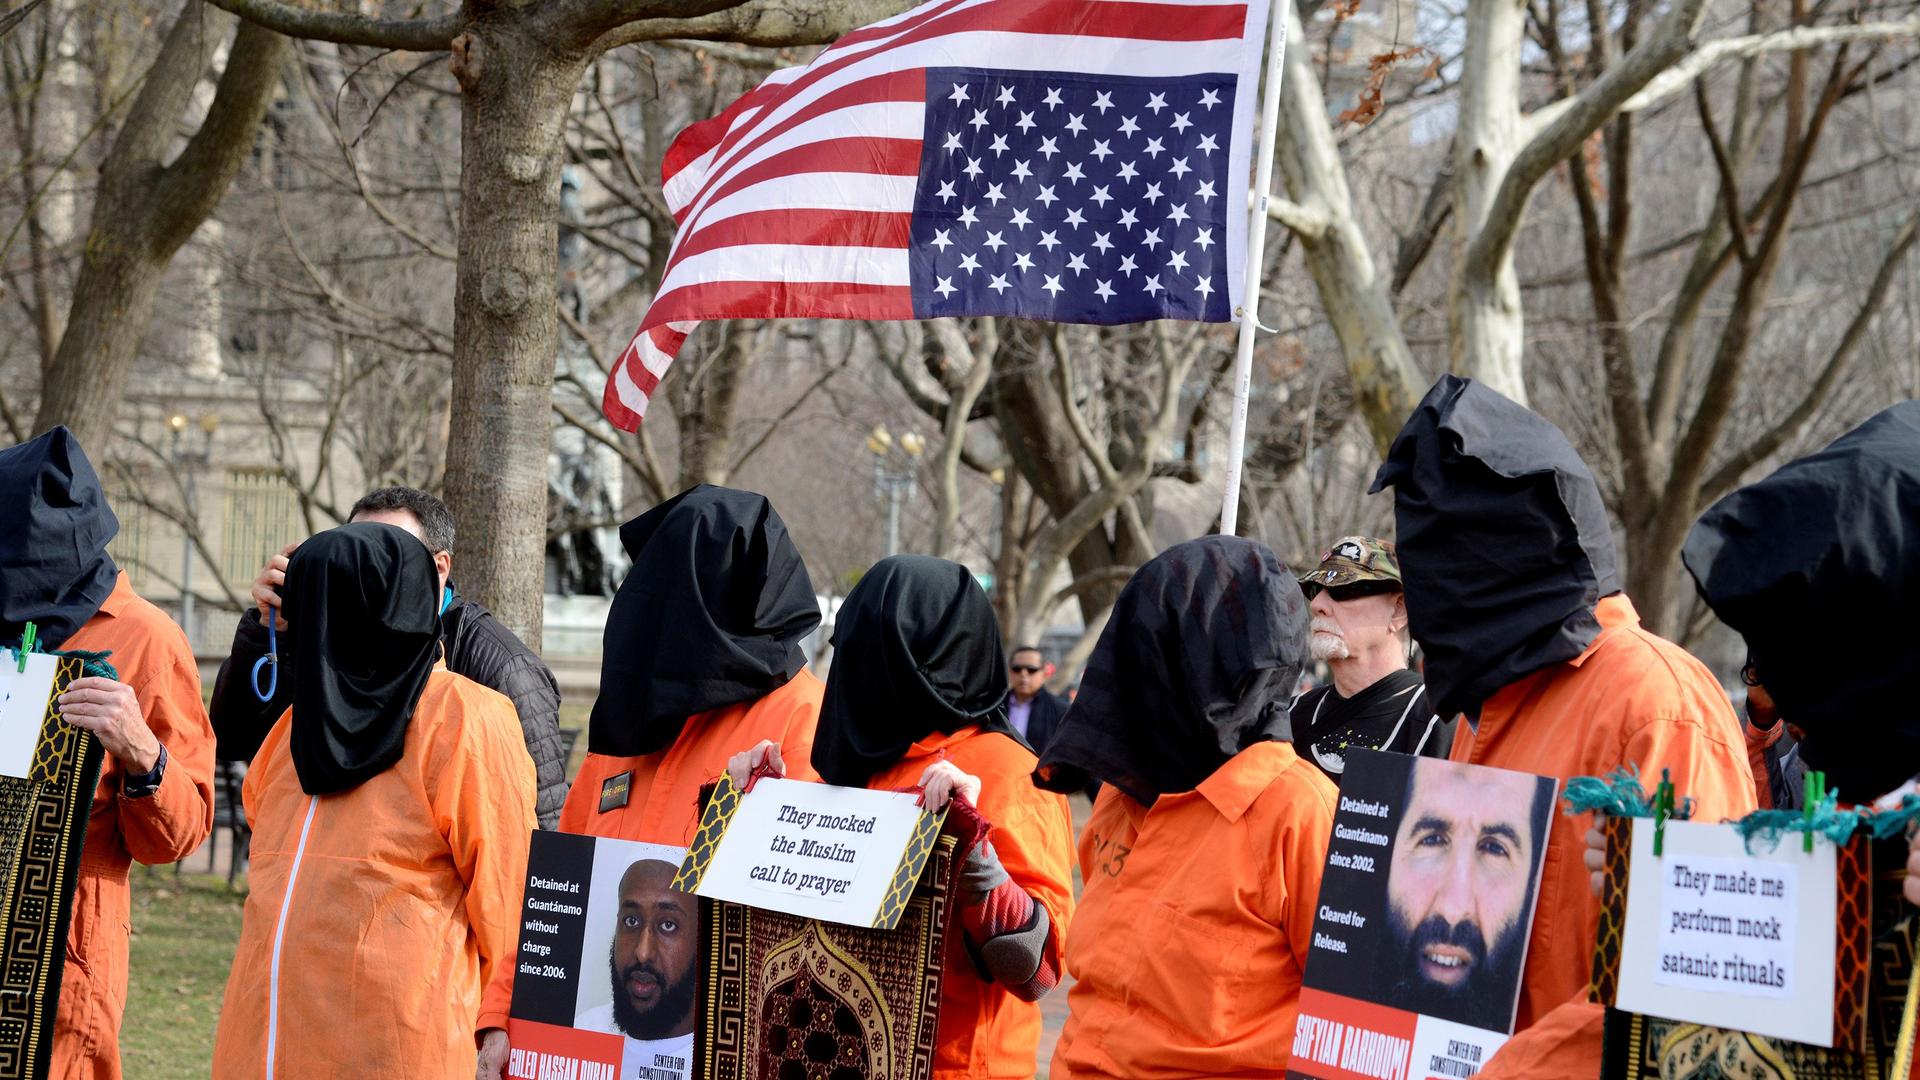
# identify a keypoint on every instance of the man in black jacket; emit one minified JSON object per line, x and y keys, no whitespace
{"x":1032,"y":711}
{"x":476,"y":644}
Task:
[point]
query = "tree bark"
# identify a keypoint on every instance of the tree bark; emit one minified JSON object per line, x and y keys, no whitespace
{"x":1483,"y":310}
{"x":145,"y":210}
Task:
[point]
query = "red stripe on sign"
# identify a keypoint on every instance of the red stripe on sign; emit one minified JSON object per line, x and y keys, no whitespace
{"x":881,"y":157}
{"x":782,"y":300}
{"x":825,"y":228}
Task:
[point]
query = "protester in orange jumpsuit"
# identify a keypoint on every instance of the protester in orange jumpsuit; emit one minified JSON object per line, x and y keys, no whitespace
{"x":917,"y":698}
{"x":155,"y":799}
{"x":391,"y":807}
{"x":1513,"y":592}
{"x":1203,"y":857}
{"x":702,"y":657}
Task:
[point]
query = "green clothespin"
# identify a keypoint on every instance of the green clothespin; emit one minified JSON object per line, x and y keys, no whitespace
{"x":26,"y":646}
{"x":1816,"y":793}
{"x":1662,"y":809}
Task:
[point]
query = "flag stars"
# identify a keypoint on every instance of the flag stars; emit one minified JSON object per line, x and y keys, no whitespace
{"x":994,"y":195}
{"x":1206,"y":191}
{"x":1208,"y":145}
{"x":1103,"y":101}
{"x":1077,"y":263}
{"x":1025,"y":123}
{"x":946,"y":192}
{"x":999,"y":145}
{"x":1205,"y":289}
{"x":1151,"y":240}
{"x":1023,"y":261}
{"x":1176,"y":260}
{"x":1101,"y":149}
{"x":979,"y":119}
{"x":967,"y":216}
{"x":1205,"y":239}
{"x":973,"y":169}
{"x":1053,"y":285}
{"x":941,"y":239}
{"x":959,"y":93}
{"x":1075,"y":123}
{"x":1129,"y":125}
{"x":1075,"y":218}
{"x":1179,"y":168}
{"x":969,"y":263}
{"x":945,"y":288}
{"x":1104,"y":290}
{"x":953,"y":141}
{"x":1050,"y":240}
{"x":1020,"y":170}
{"x":993,"y":241}
{"x":999,"y":283}
{"x":1073,"y":172}
{"x":1127,"y":265}
{"x":1156,"y":102}
{"x":1128,"y":219}
{"x":1049,"y":146}
{"x":1100,"y":196}
{"x":1210,"y":99}
{"x":1101,"y":243}
{"x":1020,"y":218}
{"x":1046,"y":197}
{"x":1153,"y":286}
{"x":1178,"y":214}
{"x":1152,"y":194}
{"x":1154,"y":149}
{"x":1006,"y":96}
{"x":1127,"y":171}
{"x":1181,"y":122}
{"x":1052,"y":100}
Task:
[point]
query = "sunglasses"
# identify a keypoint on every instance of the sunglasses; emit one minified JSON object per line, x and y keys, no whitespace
{"x":1353,"y":590}
{"x":1025,"y":669}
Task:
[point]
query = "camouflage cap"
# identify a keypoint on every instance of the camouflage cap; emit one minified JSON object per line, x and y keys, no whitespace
{"x":1354,"y":558}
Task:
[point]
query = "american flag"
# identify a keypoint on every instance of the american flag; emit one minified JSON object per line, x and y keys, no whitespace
{"x":1071,"y":160}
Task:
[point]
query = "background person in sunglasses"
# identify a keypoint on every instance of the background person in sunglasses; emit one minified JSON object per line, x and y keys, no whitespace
{"x":1359,"y":630}
{"x":1031,"y":709}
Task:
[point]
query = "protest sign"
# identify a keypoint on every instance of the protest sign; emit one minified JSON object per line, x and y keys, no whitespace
{"x":1715,"y":935}
{"x":843,"y":855}
{"x":1425,"y":910}
{"x":606,"y":973}
{"x":26,"y":695}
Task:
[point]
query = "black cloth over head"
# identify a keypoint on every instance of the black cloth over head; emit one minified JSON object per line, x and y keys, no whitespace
{"x":1503,"y":540}
{"x":916,"y":649}
{"x":711,"y":614}
{"x":363,"y":602}
{"x":54,"y":567}
{"x":1817,"y":567}
{"x":1197,"y":662}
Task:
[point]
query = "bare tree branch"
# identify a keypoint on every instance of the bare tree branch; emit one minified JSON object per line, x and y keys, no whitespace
{"x":761,"y":22}
{"x":431,"y":34}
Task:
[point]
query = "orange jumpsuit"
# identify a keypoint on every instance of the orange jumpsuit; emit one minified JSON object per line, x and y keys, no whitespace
{"x":378,"y":914}
{"x":663,"y":800}
{"x":152,"y":656}
{"x":1195,"y":923}
{"x":1630,"y":698}
{"x":985,"y":1031}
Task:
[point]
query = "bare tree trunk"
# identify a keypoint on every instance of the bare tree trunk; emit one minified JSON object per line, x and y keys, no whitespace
{"x":145,"y":210}
{"x":516,"y":91}
{"x":964,"y":387}
{"x":707,"y":397}
{"x":1483,"y":311}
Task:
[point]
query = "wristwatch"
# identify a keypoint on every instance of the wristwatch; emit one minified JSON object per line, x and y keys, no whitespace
{"x":141,"y":785}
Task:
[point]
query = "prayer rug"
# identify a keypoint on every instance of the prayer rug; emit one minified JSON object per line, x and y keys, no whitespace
{"x":43,"y":825}
{"x":787,"y":998}
{"x":1875,"y":931}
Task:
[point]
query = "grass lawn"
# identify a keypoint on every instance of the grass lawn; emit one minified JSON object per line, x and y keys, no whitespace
{"x":184,"y":930}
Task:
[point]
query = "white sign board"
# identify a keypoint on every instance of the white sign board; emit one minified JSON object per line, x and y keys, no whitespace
{"x":813,"y":850}
{"x":23,"y":708}
{"x":1717,"y":936}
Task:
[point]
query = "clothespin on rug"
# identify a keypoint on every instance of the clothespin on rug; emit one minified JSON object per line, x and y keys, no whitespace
{"x":1662,"y":810}
{"x":26,"y":646}
{"x":1816,"y":793}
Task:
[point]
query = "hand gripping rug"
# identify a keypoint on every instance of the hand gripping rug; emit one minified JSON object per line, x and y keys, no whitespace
{"x":43,"y":825}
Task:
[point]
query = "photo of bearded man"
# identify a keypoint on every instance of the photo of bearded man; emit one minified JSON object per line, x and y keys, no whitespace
{"x":651,"y":965}
{"x":1460,"y":891}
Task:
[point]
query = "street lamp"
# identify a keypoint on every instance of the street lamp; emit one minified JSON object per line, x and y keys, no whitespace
{"x":893,"y":481}
{"x":188,"y":460}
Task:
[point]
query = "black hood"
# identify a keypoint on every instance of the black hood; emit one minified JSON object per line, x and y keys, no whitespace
{"x":54,"y":568}
{"x":1197,"y":662}
{"x":711,"y":614}
{"x":363,"y":602}
{"x":1817,"y":567}
{"x":916,"y":649}
{"x":1503,"y":541}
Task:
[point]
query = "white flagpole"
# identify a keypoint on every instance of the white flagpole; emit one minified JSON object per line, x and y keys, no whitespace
{"x":1256,"y":259}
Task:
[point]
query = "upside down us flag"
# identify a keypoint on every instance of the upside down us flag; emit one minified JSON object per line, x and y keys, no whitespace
{"x":1071,"y":160}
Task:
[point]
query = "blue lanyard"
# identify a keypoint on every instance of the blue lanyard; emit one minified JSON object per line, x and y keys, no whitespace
{"x":271,"y":661}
